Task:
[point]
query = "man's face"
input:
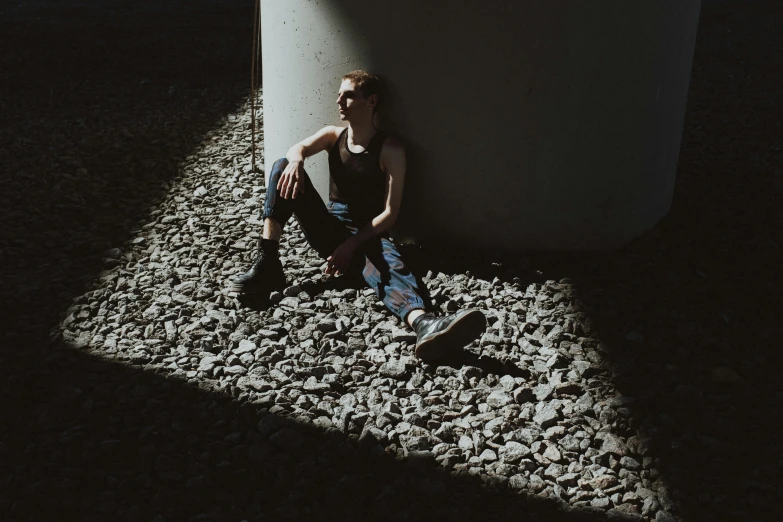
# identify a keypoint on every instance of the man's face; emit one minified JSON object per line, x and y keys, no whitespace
{"x":351,"y":103}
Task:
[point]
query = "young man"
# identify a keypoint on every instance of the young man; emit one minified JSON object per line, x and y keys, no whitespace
{"x":367,"y":173}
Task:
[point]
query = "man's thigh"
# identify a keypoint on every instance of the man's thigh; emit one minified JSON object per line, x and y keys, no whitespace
{"x":322,"y":229}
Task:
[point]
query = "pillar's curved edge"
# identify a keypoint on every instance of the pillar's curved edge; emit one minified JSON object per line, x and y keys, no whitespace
{"x":528,"y":126}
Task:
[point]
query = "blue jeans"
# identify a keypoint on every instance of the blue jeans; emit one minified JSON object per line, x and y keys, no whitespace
{"x":326,"y":227}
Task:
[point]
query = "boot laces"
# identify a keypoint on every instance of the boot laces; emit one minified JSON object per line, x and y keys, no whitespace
{"x":258,"y":259}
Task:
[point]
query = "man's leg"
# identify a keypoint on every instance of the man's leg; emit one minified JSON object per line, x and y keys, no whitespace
{"x":322,"y":230}
{"x":399,"y":290}
{"x":386,"y":273}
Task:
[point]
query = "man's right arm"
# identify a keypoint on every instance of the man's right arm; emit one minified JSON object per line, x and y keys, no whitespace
{"x":291,"y":182}
{"x":320,"y":141}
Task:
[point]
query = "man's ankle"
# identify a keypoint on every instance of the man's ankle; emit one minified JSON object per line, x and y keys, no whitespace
{"x":272,"y":230}
{"x":269,"y":246}
{"x":415,"y":315}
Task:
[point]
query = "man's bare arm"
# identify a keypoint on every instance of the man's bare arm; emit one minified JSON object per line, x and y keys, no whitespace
{"x":320,"y":141}
{"x":290,"y":183}
{"x":393,"y":163}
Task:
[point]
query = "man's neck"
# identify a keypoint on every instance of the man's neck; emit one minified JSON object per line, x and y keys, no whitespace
{"x":361,"y":132}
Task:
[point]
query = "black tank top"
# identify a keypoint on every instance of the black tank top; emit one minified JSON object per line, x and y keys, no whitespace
{"x":356,"y":178}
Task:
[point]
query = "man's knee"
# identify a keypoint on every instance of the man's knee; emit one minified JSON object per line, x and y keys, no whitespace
{"x":277,"y":170}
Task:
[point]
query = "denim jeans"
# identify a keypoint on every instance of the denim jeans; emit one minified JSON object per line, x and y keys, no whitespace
{"x":326,"y":226}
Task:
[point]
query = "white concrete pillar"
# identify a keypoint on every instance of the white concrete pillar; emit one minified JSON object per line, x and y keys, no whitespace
{"x":529,"y":124}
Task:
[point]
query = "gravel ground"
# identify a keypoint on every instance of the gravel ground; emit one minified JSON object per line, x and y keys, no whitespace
{"x":641,"y":384}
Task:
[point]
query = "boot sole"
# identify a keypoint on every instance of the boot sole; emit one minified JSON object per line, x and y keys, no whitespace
{"x":455,"y":337}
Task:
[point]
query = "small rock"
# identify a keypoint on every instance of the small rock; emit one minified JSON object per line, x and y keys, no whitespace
{"x":490,"y":338}
{"x":312,"y":385}
{"x":323,"y":422}
{"x":508,"y":383}
{"x":354,"y":344}
{"x":546,"y":417}
{"x":498,"y":399}
{"x":523,"y":395}
{"x":603,"y":482}
{"x":612,"y":444}
{"x":568,"y":388}
{"x":488,"y":456}
{"x":326,"y":326}
{"x":511,"y":452}
{"x":394,"y":368}
{"x":554,"y":471}
{"x":209,"y":362}
{"x":240,"y":193}
{"x":403,"y":336}
{"x":543,"y":391}
{"x":568,"y":480}
{"x":552,"y":453}
{"x":630,"y":463}
{"x":151,"y":313}
{"x":517,"y":482}
{"x":291,"y":302}
{"x":465,"y":443}
{"x":536,"y":483}
{"x":236,"y":369}
{"x":416,"y":442}
{"x":557,"y":361}
{"x":171,"y":330}
{"x":245,"y":346}
{"x":254,"y":382}
{"x":468,"y":372}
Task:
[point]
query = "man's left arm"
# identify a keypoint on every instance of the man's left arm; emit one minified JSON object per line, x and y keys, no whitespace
{"x":393,"y":162}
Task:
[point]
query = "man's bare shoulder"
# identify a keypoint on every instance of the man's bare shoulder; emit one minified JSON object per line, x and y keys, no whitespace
{"x":393,"y":156}
{"x":393,"y":145}
{"x":334,"y":130}
{"x":329,"y":135}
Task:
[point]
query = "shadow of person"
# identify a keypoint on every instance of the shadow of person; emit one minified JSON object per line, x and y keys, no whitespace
{"x":350,"y":281}
{"x":485,"y":362}
{"x":258,"y":302}
{"x":261,"y":301}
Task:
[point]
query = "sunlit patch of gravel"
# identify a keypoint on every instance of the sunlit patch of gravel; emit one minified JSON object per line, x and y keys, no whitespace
{"x":336,"y":359}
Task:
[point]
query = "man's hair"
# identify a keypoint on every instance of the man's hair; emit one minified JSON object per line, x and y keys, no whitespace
{"x":367,"y":83}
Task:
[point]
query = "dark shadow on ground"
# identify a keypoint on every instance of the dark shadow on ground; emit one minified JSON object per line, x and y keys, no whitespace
{"x":91,"y":93}
{"x":98,"y":440}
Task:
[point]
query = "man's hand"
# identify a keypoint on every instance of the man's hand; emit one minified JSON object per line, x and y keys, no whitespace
{"x":292,"y":180}
{"x":340,"y":260}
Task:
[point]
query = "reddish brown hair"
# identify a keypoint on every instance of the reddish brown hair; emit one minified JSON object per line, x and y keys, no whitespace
{"x":365,"y":82}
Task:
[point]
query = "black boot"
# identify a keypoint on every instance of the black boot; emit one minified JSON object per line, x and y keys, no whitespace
{"x":266,"y":273}
{"x":436,"y":336}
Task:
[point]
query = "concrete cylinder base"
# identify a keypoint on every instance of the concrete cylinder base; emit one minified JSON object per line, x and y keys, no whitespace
{"x":528,"y":125}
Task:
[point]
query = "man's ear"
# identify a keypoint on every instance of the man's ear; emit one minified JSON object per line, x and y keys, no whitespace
{"x":374,"y":99}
